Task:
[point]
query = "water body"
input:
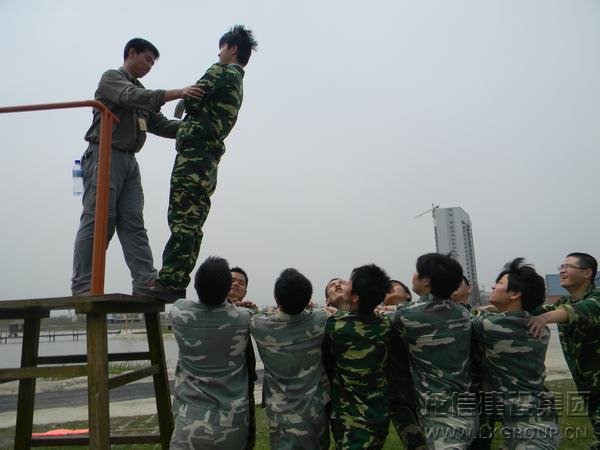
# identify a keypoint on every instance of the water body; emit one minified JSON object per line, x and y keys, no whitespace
{"x":10,"y":353}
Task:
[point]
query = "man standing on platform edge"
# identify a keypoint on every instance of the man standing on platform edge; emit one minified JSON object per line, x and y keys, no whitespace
{"x":138,"y":111}
{"x":200,"y":147}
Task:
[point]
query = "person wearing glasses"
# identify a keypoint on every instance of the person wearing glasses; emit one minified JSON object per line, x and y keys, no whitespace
{"x":578,"y":319}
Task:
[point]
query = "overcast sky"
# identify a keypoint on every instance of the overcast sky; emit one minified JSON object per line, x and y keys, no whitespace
{"x":357,"y":116}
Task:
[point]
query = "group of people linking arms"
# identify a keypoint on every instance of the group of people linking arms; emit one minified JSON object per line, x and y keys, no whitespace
{"x":444,"y":374}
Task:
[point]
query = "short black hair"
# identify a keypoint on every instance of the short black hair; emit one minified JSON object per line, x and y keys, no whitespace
{"x":242,"y":271}
{"x":371,"y":284}
{"x":140,"y":45}
{"x":587,"y":262}
{"x":443,"y":272}
{"x":292,"y":291}
{"x":243,"y":39}
{"x":213,"y":281}
{"x":524,"y":279}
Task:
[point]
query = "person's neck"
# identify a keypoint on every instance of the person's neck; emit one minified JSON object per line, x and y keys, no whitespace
{"x":513,"y":306}
{"x":127,"y":69}
{"x":577,"y":292}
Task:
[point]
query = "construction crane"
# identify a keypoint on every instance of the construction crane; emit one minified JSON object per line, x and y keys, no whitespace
{"x":433,"y":209}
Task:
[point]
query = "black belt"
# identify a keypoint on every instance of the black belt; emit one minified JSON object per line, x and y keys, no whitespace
{"x":129,"y":152}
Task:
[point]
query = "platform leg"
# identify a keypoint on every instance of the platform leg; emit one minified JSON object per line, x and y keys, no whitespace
{"x":97,"y":357}
{"x":26,"y":398}
{"x":161,"y":379}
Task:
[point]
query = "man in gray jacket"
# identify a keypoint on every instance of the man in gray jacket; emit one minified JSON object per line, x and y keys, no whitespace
{"x":138,"y":111}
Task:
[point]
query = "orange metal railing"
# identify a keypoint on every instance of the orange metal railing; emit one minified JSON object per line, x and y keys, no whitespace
{"x":107,"y":119}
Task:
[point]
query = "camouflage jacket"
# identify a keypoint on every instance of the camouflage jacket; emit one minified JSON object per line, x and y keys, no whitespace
{"x":210,"y":119}
{"x":580,"y":337}
{"x":401,"y":386}
{"x":358,"y":346}
{"x":438,"y":335}
{"x":513,"y":362}
{"x":211,"y":379}
{"x":295,"y":384}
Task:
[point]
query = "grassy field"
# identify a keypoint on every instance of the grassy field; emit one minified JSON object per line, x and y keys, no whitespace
{"x":576,"y":432}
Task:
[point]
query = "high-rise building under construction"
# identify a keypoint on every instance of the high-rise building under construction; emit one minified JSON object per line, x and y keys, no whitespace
{"x":453,"y":234}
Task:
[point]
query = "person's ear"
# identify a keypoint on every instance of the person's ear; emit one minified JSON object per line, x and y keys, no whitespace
{"x":514,"y":296}
{"x":131,"y":53}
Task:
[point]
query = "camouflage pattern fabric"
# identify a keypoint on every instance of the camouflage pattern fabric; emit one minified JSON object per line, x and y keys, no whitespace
{"x":358,"y":344}
{"x":580,"y":341}
{"x":486,"y":419}
{"x":514,"y":370}
{"x":403,"y":398}
{"x":295,"y":385}
{"x":194,"y":178}
{"x":438,"y":335}
{"x":212,"y":118}
{"x":211,"y":378}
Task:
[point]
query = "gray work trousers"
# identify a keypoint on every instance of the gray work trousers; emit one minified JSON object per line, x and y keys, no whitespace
{"x":125,"y":214}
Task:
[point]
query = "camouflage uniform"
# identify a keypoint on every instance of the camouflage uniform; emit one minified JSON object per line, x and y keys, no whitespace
{"x":358,"y":345}
{"x":403,"y":398}
{"x":580,"y":341}
{"x":194,"y":177}
{"x":514,"y":372}
{"x":211,"y":379}
{"x":295,"y":385}
{"x":438,"y":335}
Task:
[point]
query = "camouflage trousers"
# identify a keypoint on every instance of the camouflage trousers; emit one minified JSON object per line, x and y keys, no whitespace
{"x":358,"y":436}
{"x":593,"y":407}
{"x":206,"y":432}
{"x":532,"y":432}
{"x":406,"y":422}
{"x":193,"y":181}
{"x":449,"y":432}
{"x":308,"y":433}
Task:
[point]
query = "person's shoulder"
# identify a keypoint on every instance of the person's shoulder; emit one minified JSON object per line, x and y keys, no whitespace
{"x":262,"y":319}
{"x":182,"y":309}
{"x":319,"y":314}
{"x":595,"y":293}
{"x":114,"y":73}
{"x":237,"y":311}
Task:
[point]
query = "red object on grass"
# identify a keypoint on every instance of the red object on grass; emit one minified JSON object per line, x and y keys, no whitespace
{"x":62,"y":432}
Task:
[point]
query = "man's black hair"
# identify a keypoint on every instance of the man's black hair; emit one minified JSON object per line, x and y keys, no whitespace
{"x":213,"y":281}
{"x":587,"y":262}
{"x":244,"y":39}
{"x":241,"y":271}
{"x":444,"y":273}
{"x":523,"y":278}
{"x":466,"y":280}
{"x":292,"y":291}
{"x":371,"y":284}
{"x":140,"y":45}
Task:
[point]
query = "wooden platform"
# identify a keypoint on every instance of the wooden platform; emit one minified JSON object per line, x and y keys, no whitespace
{"x":94,"y":365}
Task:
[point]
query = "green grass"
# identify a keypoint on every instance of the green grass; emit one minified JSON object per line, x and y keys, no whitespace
{"x":142,"y":424}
